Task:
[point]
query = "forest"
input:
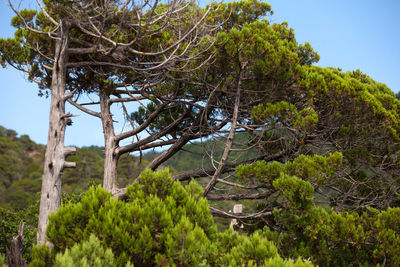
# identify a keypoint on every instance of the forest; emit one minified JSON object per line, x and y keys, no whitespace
{"x":221,"y":107}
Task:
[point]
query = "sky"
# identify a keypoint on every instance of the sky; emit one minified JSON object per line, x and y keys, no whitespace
{"x":356,"y":34}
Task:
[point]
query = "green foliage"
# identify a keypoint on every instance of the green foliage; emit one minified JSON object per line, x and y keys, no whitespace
{"x":298,"y":193}
{"x":254,"y":250}
{"x":270,"y":52}
{"x":304,"y":229}
{"x":251,"y":250}
{"x":387,"y":227}
{"x":235,"y":14}
{"x":11,"y":219}
{"x":359,"y":117}
{"x":85,"y":254}
{"x":20,"y":170}
{"x":41,"y":256}
{"x":317,"y":169}
{"x":305,"y":110}
{"x":9,"y":223}
{"x":327,"y":110}
{"x":2,"y":260}
{"x":331,"y":238}
{"x":158,"y":211}
{"x":21,"y":167}
{"x":363,"y":95}
{"x":283,"y":112}
{"x":160,"y":222}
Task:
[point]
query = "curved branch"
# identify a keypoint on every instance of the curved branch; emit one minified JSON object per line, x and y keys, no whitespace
{"x":166,"y":130}
{"x":142,"y":126}
{"x":86,"y":110}
{"x":47,"y":14}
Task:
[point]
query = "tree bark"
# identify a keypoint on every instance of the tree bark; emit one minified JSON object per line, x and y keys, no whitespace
{"x":54,"y":161}
{"x":14,"y":255}
{"x":110,"y":144}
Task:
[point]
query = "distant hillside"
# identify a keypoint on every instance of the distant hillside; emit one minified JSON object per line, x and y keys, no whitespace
{"x":198,"y":154}
{"x":21,"y":166}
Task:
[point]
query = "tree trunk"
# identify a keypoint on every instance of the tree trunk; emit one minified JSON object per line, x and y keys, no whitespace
{"x":14,"y":255}
{"x":110,"y":144}
{"x":54,"y":161}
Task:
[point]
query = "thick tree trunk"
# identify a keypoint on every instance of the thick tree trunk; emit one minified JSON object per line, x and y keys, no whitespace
{"x":54,"y":161}
{"x":110,"y":144}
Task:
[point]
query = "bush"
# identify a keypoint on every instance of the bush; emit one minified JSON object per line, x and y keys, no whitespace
{"x":85,"y":254}
{"x":253,"y":250}
{"x":41,"y":256}
{"x":305,"y":229}
{"x":2,"y":258}
{"x":160,"y":223}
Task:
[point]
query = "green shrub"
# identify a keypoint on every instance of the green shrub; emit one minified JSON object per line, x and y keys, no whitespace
{"x":305,"y":229}
{"x":2,"y":260}
{"x":88,"y":253}
{"x":41,"y":256}
{"x":160,"y":223}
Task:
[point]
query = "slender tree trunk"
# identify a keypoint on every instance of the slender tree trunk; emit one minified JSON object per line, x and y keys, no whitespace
{"x":229,"y":141}
{"x":54,"y":161}
{"x":110,"y":144}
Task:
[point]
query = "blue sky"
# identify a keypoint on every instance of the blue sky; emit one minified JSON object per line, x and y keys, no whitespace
{"x":356,"y":34}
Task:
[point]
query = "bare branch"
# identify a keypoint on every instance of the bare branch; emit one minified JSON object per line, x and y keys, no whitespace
{"x":141,"y":127}
{"x":230,"y":137}
{"x":81,"y":108}
{"x":236,"y":197}
{"x":166,"y":130}
{"x":225,"y":214}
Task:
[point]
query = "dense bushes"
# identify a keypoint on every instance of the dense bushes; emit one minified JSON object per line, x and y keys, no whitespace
{"x":163,"y":223}
{"x":88,"y":253}
{"x":160,"y":223}
{"x":340,"y":239}
{"x":305,"y":229}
